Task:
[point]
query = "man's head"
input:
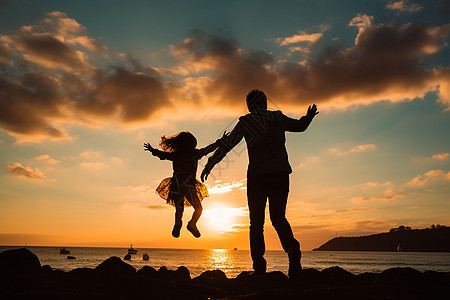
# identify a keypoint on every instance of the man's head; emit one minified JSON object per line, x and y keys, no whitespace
{"x":256,"y":99}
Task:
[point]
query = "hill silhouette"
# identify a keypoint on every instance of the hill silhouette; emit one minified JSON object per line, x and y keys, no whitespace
{"x":434,"y":239}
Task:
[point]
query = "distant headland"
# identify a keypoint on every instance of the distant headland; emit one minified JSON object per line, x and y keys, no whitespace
{"x":433,"y":239}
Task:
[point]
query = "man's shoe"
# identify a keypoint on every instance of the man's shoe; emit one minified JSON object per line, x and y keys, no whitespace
{"x":295,"y":267}
{"x":176,"y":229}
{"x":193,"y":229}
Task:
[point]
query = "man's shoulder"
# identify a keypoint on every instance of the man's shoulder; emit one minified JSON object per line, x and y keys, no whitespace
{"x":264,"y":113}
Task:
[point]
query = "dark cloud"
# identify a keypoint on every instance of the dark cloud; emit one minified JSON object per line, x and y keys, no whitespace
{"x":51,"y":81}
{"x":132,"y":97}
{"x":29,"y":104}
{"x":46,"y":81}
{"x":5,"y":52}
{"x":46,"y":50}
{"x":388,"y":61}
{"x":16,"y":169}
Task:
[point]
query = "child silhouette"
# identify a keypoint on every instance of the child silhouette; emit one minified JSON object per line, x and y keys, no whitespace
{"x":183,"y":189}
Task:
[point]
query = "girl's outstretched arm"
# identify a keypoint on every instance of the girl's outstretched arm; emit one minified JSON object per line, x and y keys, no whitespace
{"x":210,"y":148}
{"x":155,"y":152}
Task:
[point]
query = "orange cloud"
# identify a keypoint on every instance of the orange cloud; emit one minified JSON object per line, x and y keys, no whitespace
{"x":16,"y":169}
{"x":210,"y":72}
{"x":388,"y":195}
{"x":429,"y":177}
{"x":404,"y":6}
{"x":300,"y":37}
{"x":358,"y":148}
{"x":441,"y":156}
{"x":226,"y":187}
{"x":47,"y":159}
{"x":92,"y":165}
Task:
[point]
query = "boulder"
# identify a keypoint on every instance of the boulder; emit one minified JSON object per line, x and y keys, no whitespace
{"x":400,"y":275}
{"x":147,"y":272}
{"x":83,"y":274}
{"x":337,"y":275}
{"x":182,"y":273}
{"x":114,"y":267}
{"x":19,"y":260}
{"x":212,"y":275}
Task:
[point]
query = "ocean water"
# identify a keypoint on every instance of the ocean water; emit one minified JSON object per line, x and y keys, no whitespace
{"x":233,"y":262}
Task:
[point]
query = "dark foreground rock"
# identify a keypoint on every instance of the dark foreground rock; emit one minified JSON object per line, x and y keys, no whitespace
{"x":22,"y":277}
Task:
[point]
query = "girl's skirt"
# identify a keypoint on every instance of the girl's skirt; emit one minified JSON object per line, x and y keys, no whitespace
{"x":184,"y":194}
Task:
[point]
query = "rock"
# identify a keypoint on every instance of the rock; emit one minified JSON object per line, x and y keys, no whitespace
{"x":19,"y":260}
{"x":182,"y":273}
{"x":212,"y":275}
{"x":337,"y":275}
{"x":114,"y":267}
{"x":276,"y":276}
{"x":147,"y":272}
{"x":400,"y":275}
{"x":243,"y":275}
{"x":83,"y":274}
{"x":71,"y":257}
{"x":127,"y":257}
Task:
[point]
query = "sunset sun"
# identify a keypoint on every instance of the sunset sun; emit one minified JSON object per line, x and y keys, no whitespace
{"x":219,"y":217}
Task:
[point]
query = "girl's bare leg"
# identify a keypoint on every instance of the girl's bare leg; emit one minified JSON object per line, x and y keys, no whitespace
{"x":179,"y":209}
{"x":198,"y":209}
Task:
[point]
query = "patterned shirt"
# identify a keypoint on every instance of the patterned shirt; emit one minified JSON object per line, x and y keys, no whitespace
{"x":264,"y":133}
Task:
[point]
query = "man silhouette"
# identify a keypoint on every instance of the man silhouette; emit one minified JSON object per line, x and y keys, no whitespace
{"x":267,"y":174}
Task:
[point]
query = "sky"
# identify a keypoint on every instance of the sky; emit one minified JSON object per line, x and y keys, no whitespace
{"x":83,"y":85}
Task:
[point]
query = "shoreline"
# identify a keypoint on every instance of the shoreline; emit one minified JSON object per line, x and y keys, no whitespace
{"x":22,"y":276}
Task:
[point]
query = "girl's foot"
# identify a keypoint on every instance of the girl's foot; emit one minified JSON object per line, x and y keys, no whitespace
{"x":176,"y":229}
{"x":193,"y":229}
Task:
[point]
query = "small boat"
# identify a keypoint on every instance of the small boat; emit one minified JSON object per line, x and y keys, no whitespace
{"x":145,"y":256}
{"x":132,"y":250}
{"x":71,"y":257}
{"x":127,"y":257}
{"x":64,"y":251}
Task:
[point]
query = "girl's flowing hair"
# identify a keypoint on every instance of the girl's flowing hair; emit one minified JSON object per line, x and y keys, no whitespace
{"x":183,"y":141}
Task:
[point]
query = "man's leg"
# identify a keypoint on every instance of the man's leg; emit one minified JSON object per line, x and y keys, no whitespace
{"x":257,"y":198}
{"x":278,"y":195}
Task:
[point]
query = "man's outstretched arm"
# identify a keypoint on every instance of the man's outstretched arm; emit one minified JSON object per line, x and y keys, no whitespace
{"x":299,"y":125}
{"x":227,"y":143}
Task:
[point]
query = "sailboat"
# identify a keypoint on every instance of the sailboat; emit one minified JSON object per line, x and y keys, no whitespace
{"x":64,"y":251}
{"x":145,"y":255}
{"x":131,"y":250}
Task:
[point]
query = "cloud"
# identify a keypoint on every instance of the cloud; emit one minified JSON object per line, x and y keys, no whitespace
{"x":90,"y":154}
{"x":92,"y":165}
{"x":226,"y":187}
{"x":441,"y":156}
{"x":386,"y":62}
{"x":430,"y":177}
{"x":297,"y":38}
{"x":55,"y":83}
{"x":157,"y":207}
{"x":356,"y":149}
{"x":388,"y":195}
{"x":16,"y":169}
{"x":47,"y":159}
{"x":58,"y":82}
{"x":404,"y":6}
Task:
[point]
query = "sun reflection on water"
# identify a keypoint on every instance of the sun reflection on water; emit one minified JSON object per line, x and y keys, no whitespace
{"x":222,"y":259}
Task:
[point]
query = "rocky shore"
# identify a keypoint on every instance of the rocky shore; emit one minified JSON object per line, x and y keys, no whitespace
{"x":23,"y":277}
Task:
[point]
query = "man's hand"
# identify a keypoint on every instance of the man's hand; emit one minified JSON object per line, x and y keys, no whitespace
{"x":205,"y":174}
{"x":225,"y":134}
{"x":312,"y":111}
{"x":148,"y":147}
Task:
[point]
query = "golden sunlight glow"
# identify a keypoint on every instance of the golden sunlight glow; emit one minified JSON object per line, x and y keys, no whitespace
{"x":219,"y":217}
